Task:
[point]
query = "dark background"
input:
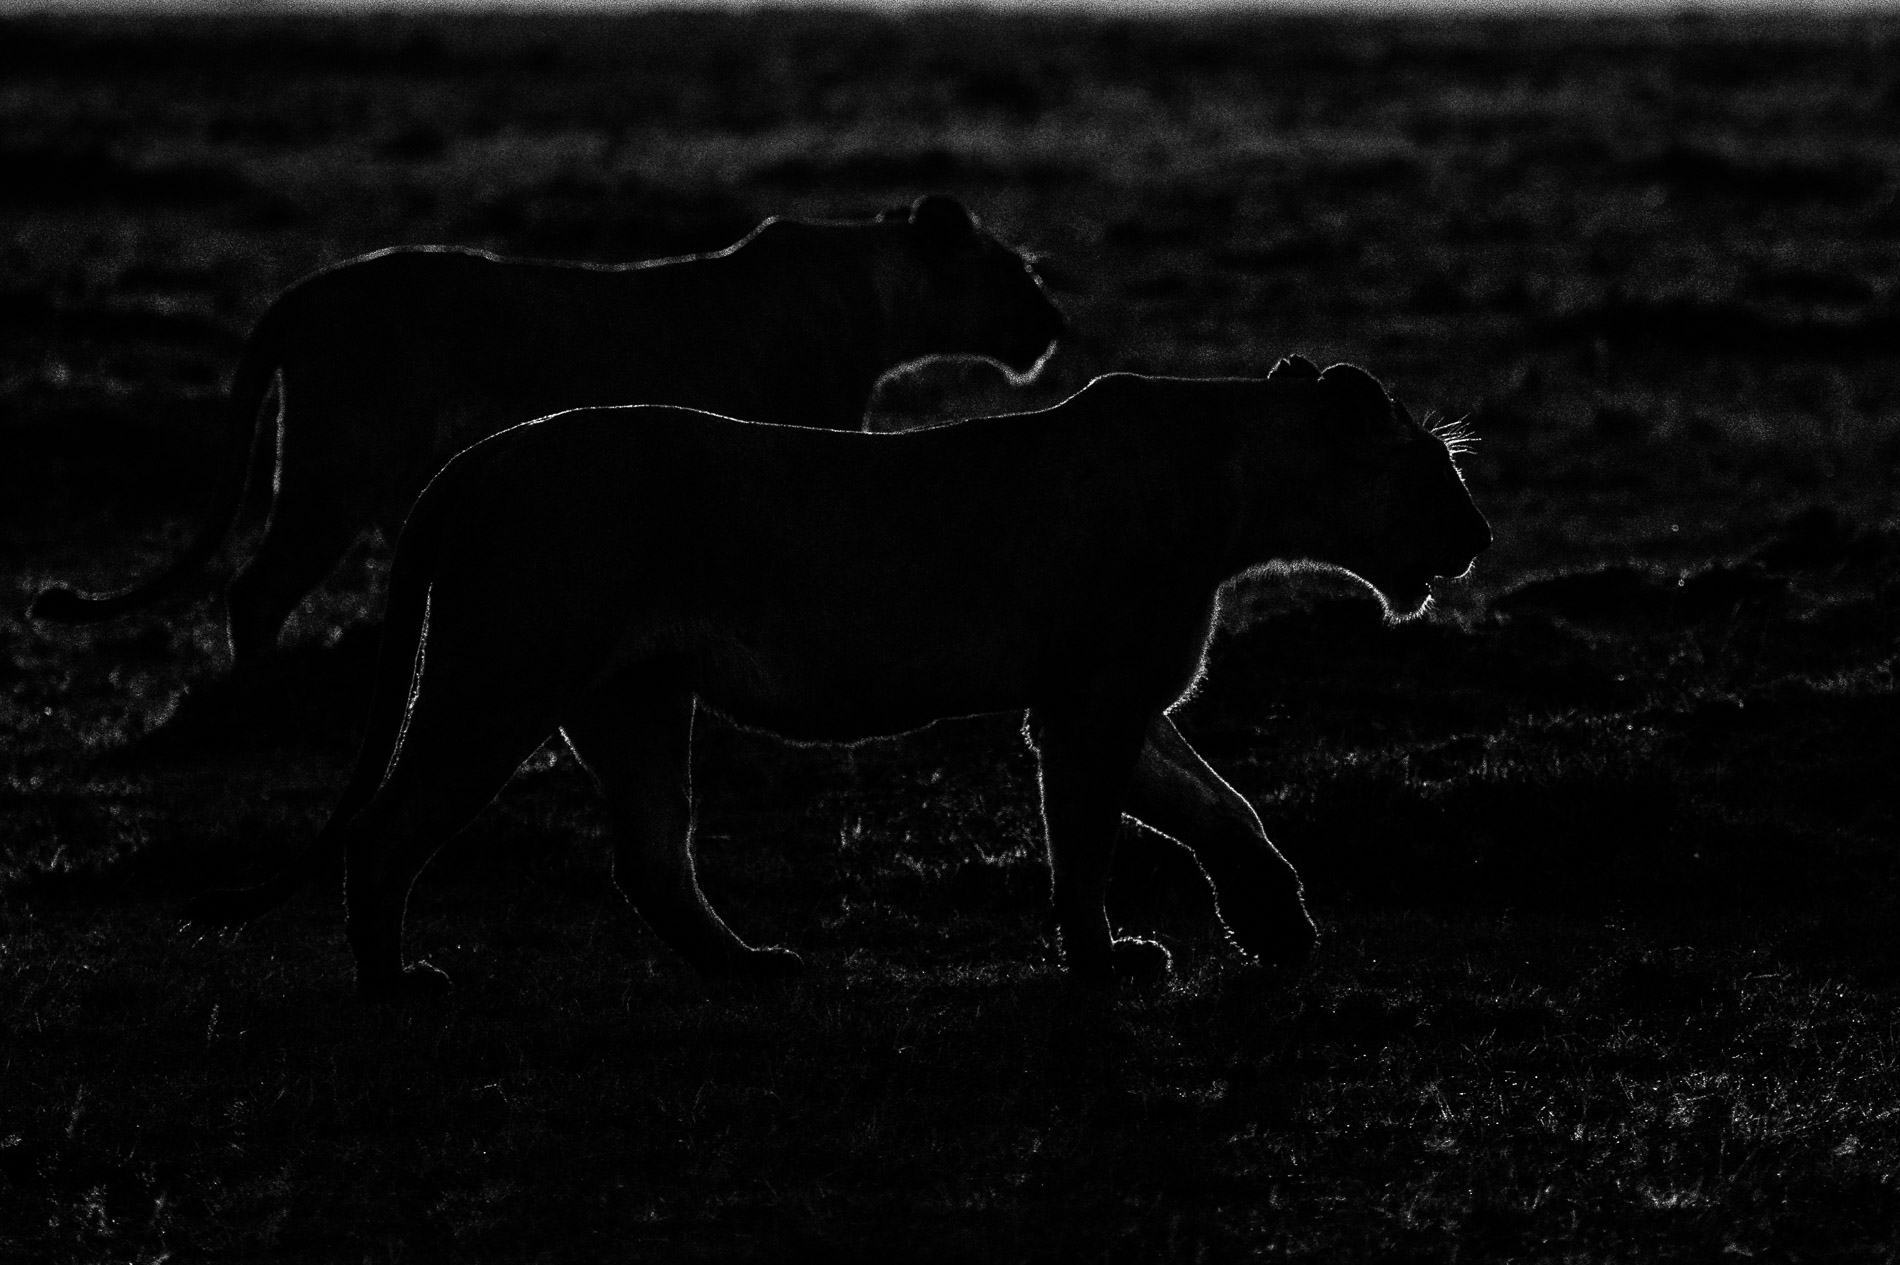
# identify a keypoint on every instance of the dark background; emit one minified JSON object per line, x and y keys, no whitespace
{"x":1604,"y":849}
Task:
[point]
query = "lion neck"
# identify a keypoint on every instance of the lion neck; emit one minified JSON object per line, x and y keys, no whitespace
{"x":1285,"y":475}
{"x":812,"y":304}
{"x":1249,"y":460}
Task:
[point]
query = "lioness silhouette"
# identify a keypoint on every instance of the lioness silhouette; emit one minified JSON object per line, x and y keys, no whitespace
{"x":605,"y":579}
{"x":387,"y":365}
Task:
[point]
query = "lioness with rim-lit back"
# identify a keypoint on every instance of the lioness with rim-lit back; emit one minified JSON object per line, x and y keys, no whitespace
{"x":390,"y":364}
{"x":606,"y":579}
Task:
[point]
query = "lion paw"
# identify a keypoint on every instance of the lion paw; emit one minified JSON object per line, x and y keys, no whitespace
{"x":1284,"y":942}
{"x":421,"y":981}
{"x":757,"y":966}
{"x":772,"y":963}
{"x":1139,"y":961}
{"x":1130,"y":960}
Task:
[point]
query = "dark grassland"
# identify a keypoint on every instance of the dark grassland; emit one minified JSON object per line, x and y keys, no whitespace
{"x":1605,"y":850}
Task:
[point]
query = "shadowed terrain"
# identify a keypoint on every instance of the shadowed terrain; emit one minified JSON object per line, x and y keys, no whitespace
{"x":1604,"y":847}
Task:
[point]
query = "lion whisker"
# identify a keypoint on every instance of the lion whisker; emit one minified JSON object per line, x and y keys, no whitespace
{"x":1458,"y":435}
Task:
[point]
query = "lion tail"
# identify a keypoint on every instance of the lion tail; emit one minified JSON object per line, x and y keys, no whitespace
{"x":398,"y":659}
{"x":243,"y":418}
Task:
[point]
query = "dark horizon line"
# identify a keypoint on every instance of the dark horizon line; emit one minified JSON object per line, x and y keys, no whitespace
{"x":1128,"y":9}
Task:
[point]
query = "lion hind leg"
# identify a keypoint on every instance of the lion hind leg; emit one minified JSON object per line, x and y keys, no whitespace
{"x":1256,"y":892}
{"x":1085,"y":764}
{"x":311,"y":527}
{"x":635,"y":738}
{"x":456,"y":755}
{"x":386,"y":848}
{"x":341,"y":469}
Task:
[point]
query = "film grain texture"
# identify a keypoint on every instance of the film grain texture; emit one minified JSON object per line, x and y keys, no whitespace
{"x":1603,"y":848}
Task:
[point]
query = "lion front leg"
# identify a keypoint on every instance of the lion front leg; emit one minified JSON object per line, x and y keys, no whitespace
{"x":1085,"y":766}
{"x":635,"y":737}
{"x":1256,"y":892}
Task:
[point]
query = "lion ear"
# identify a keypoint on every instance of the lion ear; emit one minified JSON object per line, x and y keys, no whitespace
{"x":1295,"y":367}
{"x":1361,"y":398}
{"x":943,"y":225}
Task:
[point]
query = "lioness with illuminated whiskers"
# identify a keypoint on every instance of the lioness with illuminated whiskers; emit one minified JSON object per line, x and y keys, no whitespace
{"x":605,"y":579}
{"x":390,"y":364}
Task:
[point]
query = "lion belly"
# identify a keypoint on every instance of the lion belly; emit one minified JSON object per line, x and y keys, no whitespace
{"x":817,"y":688}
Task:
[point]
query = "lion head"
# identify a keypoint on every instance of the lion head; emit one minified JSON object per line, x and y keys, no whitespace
{"x":964,"y":292}
{"x":1394,"y":509}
